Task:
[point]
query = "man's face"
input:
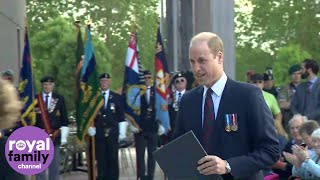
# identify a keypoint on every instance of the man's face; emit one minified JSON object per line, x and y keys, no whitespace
{"x":294,"y":129}
{"x":258,"y":83}
{"x":206,"y":67}
{"x":296,"y":77}
{"x":180,"y":83}
{"x":268,"y":84}
{"x":147,"y":79}
{"x":316,"y":144}
{"x":304,"y":71}
{"x":47,"y":87}
{"x":307,"y":139}
{"x":105,"y":84}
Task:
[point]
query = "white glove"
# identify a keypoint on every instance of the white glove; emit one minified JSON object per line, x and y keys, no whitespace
{"x":123,"y":130}
{"x":92,"y":131}
{"x":161,"y":130}
{"x":133,"y":128}
{"x":64,"y":134}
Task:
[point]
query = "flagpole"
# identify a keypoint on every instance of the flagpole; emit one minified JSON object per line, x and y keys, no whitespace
{"x":92,"y":154}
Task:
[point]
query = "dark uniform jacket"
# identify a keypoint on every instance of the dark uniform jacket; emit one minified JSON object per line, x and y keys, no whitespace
{"x":57,"y":114}
{"x":108,"y":118}
{"x":148,"y":113}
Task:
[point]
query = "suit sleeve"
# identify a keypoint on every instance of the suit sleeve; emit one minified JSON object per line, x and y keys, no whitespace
{"x":315,"y":114}
{"x":262,"y":137}
{"x":64,"y":115}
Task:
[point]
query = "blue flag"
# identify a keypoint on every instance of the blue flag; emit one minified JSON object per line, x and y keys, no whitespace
{"x":26,"y":86}
{"x":161,"y":84}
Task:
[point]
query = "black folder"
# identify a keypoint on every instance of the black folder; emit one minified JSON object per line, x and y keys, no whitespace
{"x":179,"y":158}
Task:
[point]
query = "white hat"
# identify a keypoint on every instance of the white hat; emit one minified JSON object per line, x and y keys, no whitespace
{"x":316,"y":133}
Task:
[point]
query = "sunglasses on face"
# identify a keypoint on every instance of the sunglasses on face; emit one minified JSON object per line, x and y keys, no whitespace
{"x":147,"y":77}
{"x":178,"y":81}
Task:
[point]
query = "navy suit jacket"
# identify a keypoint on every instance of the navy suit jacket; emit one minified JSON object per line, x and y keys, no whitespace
{"x":254,"y":146}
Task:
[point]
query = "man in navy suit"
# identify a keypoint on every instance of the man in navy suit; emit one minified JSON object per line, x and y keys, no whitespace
{"x":231,"y":119}
{"x":306,"y":100}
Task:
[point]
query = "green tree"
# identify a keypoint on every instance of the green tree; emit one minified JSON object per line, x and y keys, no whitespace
{"x":248,"y":58}
{"x":276,"y":24}
{"x":113,"y":22}
{"x":53,"y":53}
{"x":286,"y":57}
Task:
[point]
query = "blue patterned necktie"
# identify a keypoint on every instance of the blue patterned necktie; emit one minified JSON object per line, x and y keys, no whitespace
{"x":208,"y":120}
{"x":104,"y":98}
{"x":47,"y":101}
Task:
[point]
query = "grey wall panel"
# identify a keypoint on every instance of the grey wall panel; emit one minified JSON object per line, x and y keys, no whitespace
{"x":222,"y":14}
{"x":12,"y":20}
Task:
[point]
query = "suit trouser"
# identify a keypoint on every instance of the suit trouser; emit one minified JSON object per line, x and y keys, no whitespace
{"x":145,"y":140}
{"x":54,"y":167}
{"x":107,"y":158}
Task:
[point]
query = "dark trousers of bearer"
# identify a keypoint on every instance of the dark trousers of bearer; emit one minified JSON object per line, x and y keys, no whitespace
{"x":107,"y":158}
{"x":145,"y":140}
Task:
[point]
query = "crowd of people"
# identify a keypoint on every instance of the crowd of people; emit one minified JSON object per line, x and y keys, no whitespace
{"x":296,"y":111}
{"x":250,"y":130}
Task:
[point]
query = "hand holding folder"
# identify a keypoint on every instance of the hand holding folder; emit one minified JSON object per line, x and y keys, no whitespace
{"x":179,"y":158}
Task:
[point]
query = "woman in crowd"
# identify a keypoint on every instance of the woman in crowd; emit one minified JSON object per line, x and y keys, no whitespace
{"x":283,"y":167}
{"x":10,"y":108}
{"x":306,"y":163}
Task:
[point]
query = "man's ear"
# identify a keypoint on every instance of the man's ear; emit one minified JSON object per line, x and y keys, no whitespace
{"x":220,"y":57}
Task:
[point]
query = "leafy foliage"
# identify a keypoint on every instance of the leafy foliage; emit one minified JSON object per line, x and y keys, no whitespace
{"x":53,"y":53}
{"x":53,"y":38}
{"x":286,"y":30}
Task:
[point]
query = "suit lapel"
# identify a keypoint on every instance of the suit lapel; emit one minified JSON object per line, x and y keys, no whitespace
{"x":197,"y":123}
{"x":315,"y":85}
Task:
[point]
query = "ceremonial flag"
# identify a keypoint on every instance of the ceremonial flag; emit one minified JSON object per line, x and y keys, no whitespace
{"x":26,"y":86}
{"x":133,"y":84}
{"x":90,"y":98}
{"x":161,"y":84}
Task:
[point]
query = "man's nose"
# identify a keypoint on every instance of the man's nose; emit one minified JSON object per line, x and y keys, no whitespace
{"x":196,"y":66}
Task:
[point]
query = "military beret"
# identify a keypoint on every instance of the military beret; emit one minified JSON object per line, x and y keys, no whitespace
{"x":47,"y":79}
{"x":178,"y":75}
{"x":268,"y":75}
{"x":105,"y":75}
{"x":294,"y":68}
{"x":256,"y":77}
{"x":8,"y":73}
{"x":146,"y":72}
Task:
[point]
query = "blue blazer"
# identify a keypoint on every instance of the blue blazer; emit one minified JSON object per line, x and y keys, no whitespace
{"x":253,"y":147}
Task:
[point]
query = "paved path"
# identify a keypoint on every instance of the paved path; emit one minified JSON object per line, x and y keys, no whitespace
{"x":127,"y":168}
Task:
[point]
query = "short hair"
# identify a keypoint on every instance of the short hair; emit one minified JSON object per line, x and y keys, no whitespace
{"x":297,"y":117}
{"x":311,"y":64}
{"x":308,"y":127}
{"x":10,"y":106}
{"x":214,"y":42}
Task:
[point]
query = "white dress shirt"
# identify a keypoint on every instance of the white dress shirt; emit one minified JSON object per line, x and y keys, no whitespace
{"x":177,"y":94}
{"x":148,"y":94}
{"x":49,"y":98}
{"x":217,"y":89}
{"x":106,"y":97}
